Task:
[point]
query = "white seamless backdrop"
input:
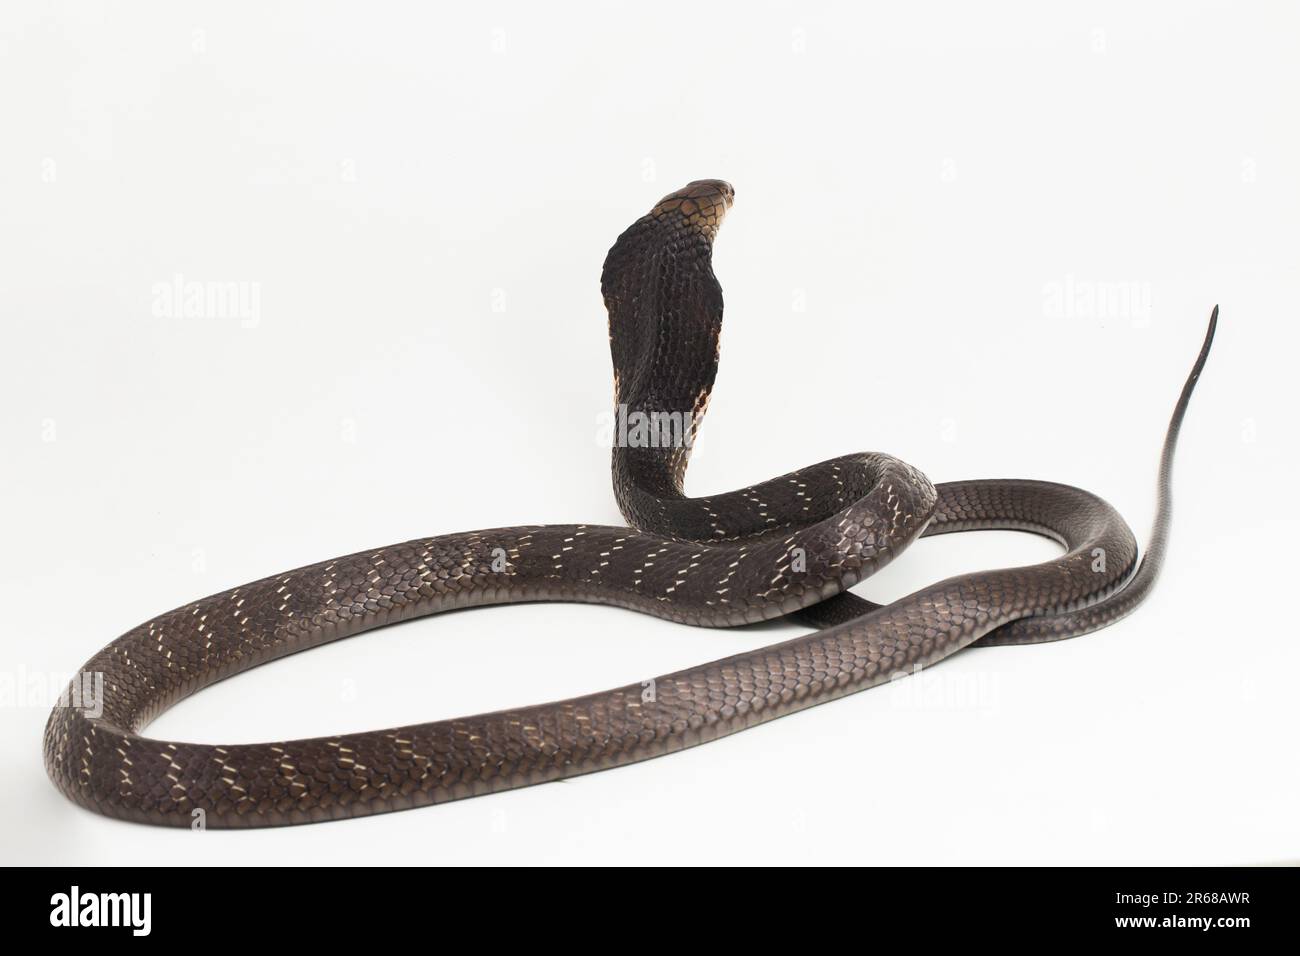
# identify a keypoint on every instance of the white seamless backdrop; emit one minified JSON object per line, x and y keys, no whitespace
{"x":984,"y":238}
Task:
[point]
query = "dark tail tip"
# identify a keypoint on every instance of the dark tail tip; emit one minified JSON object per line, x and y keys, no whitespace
{"x":1144,"y":578}
{"x":1196,"y":369}
{"x":1159,"y":543}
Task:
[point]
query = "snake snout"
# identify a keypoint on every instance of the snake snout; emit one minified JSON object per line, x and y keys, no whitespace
{"x":719,"y":188}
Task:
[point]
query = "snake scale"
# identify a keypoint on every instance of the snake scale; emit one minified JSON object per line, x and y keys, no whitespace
{"x":789,"y":546}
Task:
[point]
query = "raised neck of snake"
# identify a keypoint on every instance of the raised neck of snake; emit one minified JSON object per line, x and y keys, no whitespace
{"x":665,"y":318}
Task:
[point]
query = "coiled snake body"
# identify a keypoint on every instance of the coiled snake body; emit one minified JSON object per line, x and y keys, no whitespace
{"x":792,"y":545}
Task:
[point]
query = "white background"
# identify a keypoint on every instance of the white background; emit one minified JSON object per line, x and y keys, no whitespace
{"x":423,"y":199}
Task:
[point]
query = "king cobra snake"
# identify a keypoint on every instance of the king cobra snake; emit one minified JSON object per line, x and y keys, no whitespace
{"x":789,"y":546}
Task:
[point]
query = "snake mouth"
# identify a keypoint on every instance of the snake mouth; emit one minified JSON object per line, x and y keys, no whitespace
{"x":703,"y":203}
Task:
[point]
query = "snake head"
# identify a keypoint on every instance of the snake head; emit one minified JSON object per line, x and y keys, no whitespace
{"x":703,"y":203}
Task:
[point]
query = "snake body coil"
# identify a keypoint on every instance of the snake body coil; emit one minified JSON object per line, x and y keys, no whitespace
{"x":792,"y":545}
